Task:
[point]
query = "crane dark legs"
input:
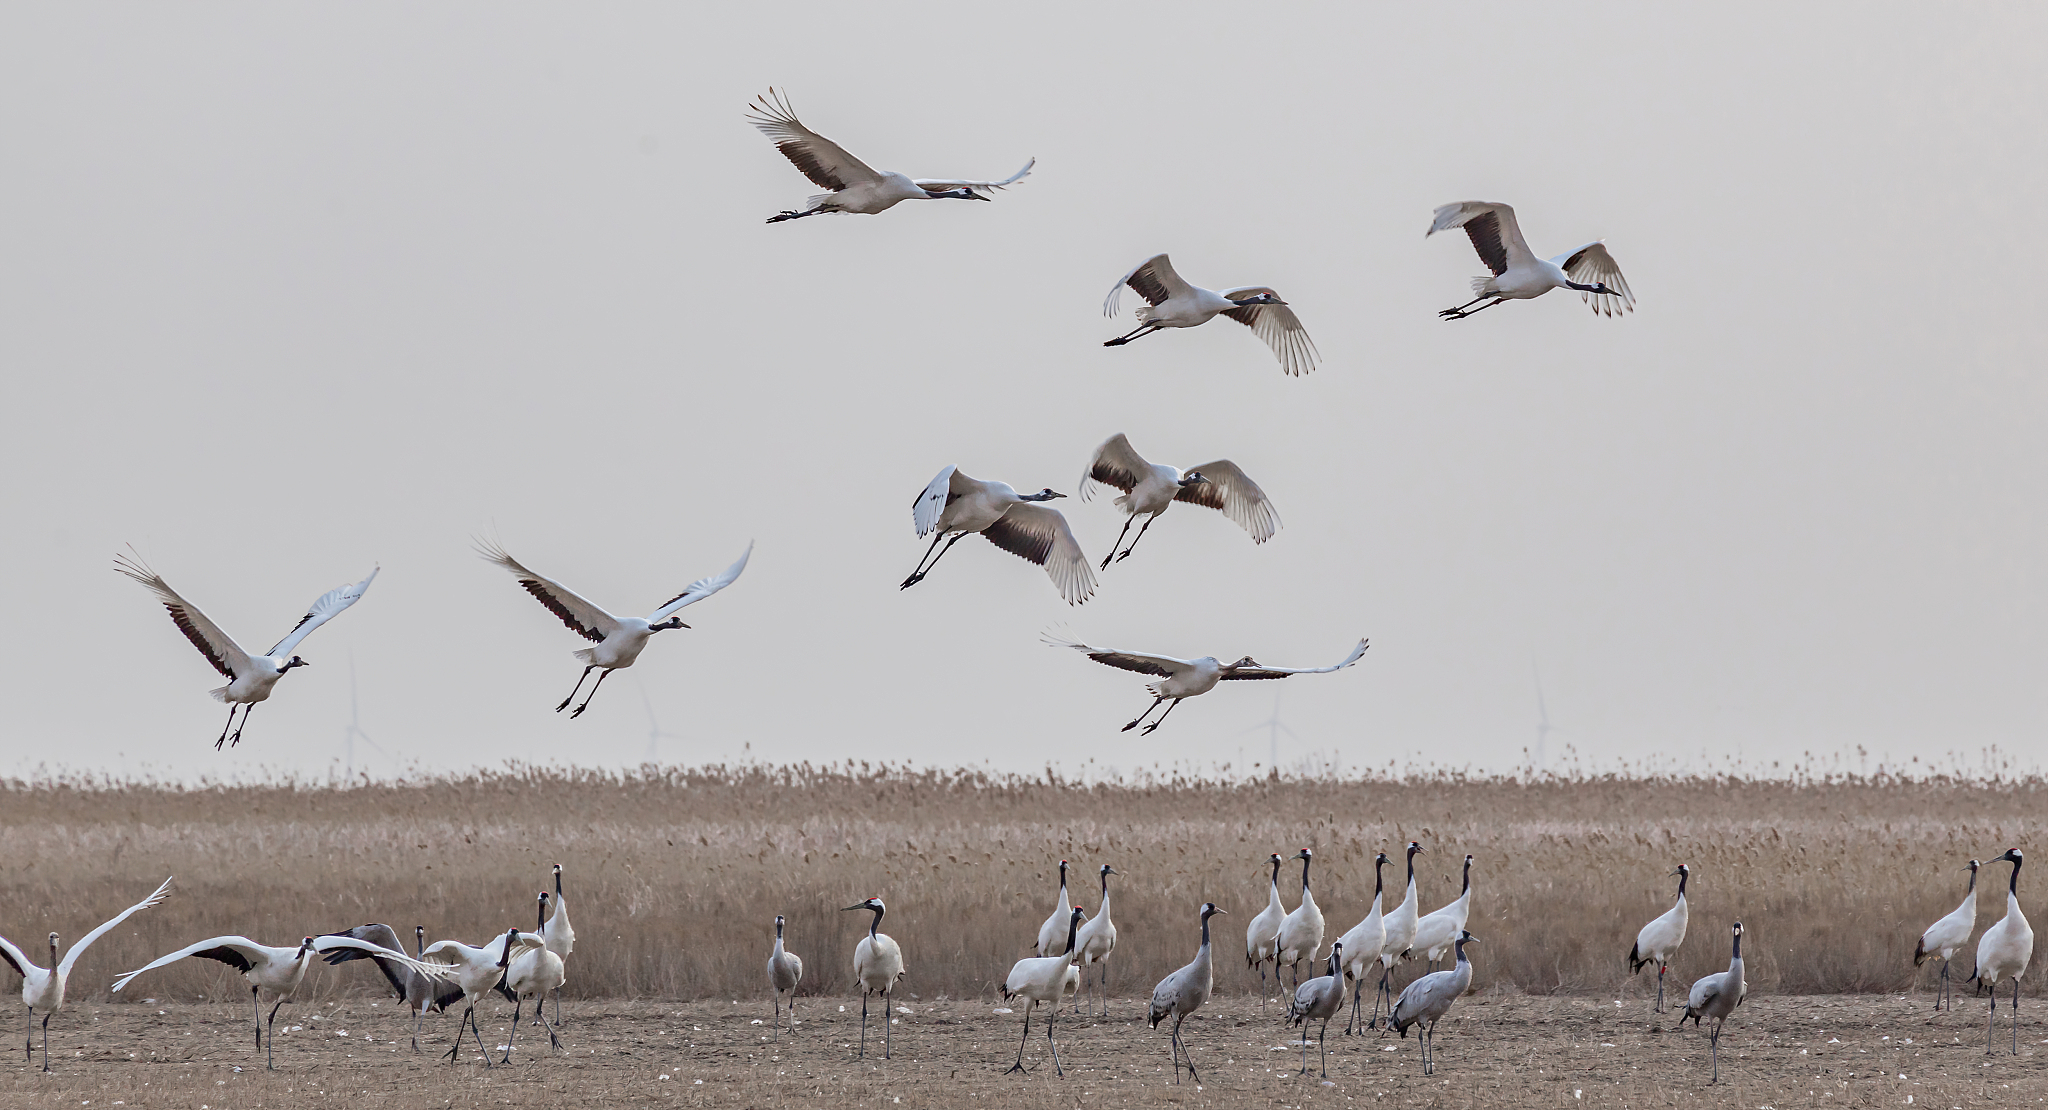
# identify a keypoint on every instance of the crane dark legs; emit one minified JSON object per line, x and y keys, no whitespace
{"x":1659,"y":1007}
{"x":924,"y":568}
{"x":47,"y":1016}
{"x":586,"y":698}
{"x":1140,"y":332}
{"x":223,"y":741}
{"x":1459,"y":312}
{"x":1386,"y":992}
{"x":1025,"y":1039}
{"x":1113,"y":556}
{"x":579,"y":686}
{"x":1148,"y":732}
{"x":1989,"y":1021}
{"x":1714,"y":1046}
{"x":1357,"y":991}
{"x":270,"y":1026}
{"x":1180,"y":1051}
{"x":793,"y":214}
{"x":236,"y":739}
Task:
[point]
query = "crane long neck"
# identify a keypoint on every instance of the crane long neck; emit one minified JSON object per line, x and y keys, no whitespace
{"x":1972,"y":888}
{"x":2012,"y":886}
{"x":1379,"y":878}
{"x":1411,"y":868}
{"x":1736,"y":959}
{"x":1459,"y":945}
{"x":1305,"y":861}
{"x":1684,"y":875}
{"x":1073,"y":928}
{"x":875,"y":926}
{"x":1467,"y":888}
{"x":1105,"y":893}
{"x":540,"y":916}
{"x":1276,"y":875}
{"x":1204,"y":950}
{"x":558,"y":885}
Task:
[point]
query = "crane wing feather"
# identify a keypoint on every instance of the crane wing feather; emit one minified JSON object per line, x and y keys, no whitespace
{"x":1153,"y":280}
{"x":1278,"y":327}
{"x":226,"y":656}
{"x":71,"y":958}
{"x":931,"y":504}
{"x":340,"y":941}
{"x":582,"y":618}
{"x":1116,"y":463}
{"x":240,"y":953}
{"x":1591,"y":264}
{"x":1231,"y":492}
{"x":704,"y":587}
{"x":1255,"y":670}
{"x":1493,"y":229}
{"x":825,"y":162}
{"x":933,"y":184}
{"x":323,"y":609}
{"x":1162,"y":666}
{"x":1041,"y":535}
{"x":15,"y":958}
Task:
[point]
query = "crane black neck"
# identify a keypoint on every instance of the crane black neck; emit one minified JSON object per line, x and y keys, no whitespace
{"x":540,"y":916}
{"x":2012,"y":885}
{"x":1737,"y":954}
{"x":1467,"y":888}
{"x":1379,"y":866}
{"x":1684,"y":875}
{"x":1412,"y":849}
{"x":875,"y":926}
{"x":1276,"y":870}
{"x":1305,"y":861}
{"x":1073,"y":928}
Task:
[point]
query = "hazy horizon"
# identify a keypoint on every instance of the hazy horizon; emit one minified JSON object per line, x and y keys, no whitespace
{"x":289,"y":293}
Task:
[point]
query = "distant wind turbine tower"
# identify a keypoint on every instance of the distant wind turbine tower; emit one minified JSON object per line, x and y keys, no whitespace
{"x":1542,"y":727}
{"x":1274,"y":726}
{"x":354,"y":731}
{"x":654,"y":733}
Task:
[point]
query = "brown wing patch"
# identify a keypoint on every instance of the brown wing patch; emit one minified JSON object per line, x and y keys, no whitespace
{"x":541,"y":594}
{"x":1148,"y":285}
{"x":1484,"y":231}
{"x":184,"y":622}
{"x":1130,"y":663}
{"x":1021,"y":542}
{"x":230,"y":956}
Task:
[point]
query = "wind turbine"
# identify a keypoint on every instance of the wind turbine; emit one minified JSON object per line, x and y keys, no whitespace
{"x":354,"y":731}
{"x":654,"y":733}
{"x":1274,"y":726}
{"x":1542,"y":724}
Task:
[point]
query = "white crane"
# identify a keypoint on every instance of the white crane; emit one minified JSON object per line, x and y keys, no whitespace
{"x":419,"y":990}
{"x":1429,"y":998}
{"x":1400,"y":933}
{"x":1151,"y":488}
{"x":1186,"y":678}
{"x":1319,"y":999}
{"x":619,"y":640}
{"x":1047,"y":979}
{"x":1301,"y":932}
{"x":1946,"y":937}
{"x":1054,"y":931}
{"x":853,"y":187}
{"x":532,"y":972}
{"x":250,"y":677}
{"x":1182,"y":993}
{"x":1716,"y":996}
{"x":1518,"y":274}
{"x":1262,"y":936}
{"x":877,"y":965}
{"x":955,"y":505}
{"x":558,"y":934}
{"x":276,"y":972}
{"x":2003,"y":952}
{"x":1365,"y":940}
{"x":42,"y":988}
{"x":785,"y":971}
{"x":478,"y":970}
{"x":1436,"y":932}
{"x":1176,"y":304}
{"x":1659,"y":940}
{"x":1097,"y":939}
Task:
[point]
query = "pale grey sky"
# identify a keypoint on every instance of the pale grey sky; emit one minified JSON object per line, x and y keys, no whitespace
{"x":289,"y":291}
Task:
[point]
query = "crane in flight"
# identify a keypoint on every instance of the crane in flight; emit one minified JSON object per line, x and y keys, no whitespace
{"x":850,"y":184}
{"x":1173,"y":303}
{"x":1518,"y":275}
{"x":1186,"y":678}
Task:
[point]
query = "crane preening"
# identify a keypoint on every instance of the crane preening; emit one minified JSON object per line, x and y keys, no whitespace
{"x":1185,"y":678}
{"x":250,"y":677}
{"x":619,"y":640}
{"x":1518,"y":275}
{"x":1173,"y":303}
{"x":851,"y":185}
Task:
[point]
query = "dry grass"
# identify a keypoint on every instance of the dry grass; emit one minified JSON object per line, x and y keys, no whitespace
{"x":675,"y":877}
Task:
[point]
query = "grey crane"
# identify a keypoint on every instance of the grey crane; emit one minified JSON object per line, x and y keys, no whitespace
{"x":1429,"y":998}
{"x":419,"y":990}
{"x":1319,"y":999}
{"x":1716,"y":996}
{"x":1183,"y":992}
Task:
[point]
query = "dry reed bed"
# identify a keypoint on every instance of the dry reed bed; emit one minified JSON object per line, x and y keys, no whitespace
{"x":675,"y":877}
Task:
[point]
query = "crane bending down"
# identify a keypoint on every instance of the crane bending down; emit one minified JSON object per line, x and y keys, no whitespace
{"x":1429,"y":998}
{"x":852,"y":186}
{"x":1151,"y":488}
{"x":1173,"y":303}
{"x":2004,"y":950}
{"x":1716,"y":996}
{"x":877,"y":965}
{"x":954,"y":505}
{"x":1518,"y":275}
{"x":42,"y":988}
{"x":250,"y":677}
{"x":1182,"y":993}
{"x":1186,"y":678}
{"x":419,"y":990}
{"x":619,"y":640}
{"x":1047,"y":979}
{"x":1659,"y":940}
{"x":1946,"y":937}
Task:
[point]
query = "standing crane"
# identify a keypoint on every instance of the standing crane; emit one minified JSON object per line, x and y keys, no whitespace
{"x":42,"y":988}
{"x":1301,"y":933}
{"x":1436,"y":932}
{"x":2003,"y":952}
{"x":1262,"y":936}
{"x":1319,"y":999}
{"x":1054,"y":931}
{"x":1097,"y":938}
{"x":1946,"y":937}
{"x":1182,"y":993}
{"x":1365,"y":940}
{"x":1659,"y":940}
{"x":1400,"y":929}
{"x":1047,"y":979}
{"x":1429,"y":998}
{"x":877,"y":965}
{"x":785,"y":971}
{"x":1716,"y":996}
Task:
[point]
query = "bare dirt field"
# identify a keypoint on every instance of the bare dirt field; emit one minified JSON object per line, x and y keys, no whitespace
{"x":1495,"y":1049}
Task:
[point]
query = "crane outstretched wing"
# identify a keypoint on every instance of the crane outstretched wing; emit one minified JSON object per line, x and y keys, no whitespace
{"x":1162,"y":666}
{"x":825,"y":162}
{"x":1116,"y":463}
{"x":226,"y":656}
{"x":15,"y":958}
{"x":71,"y":958}
{"x":583,"y":618}
{"x":1034,"y":532}
{"x":1278,"y":327}
{"x":704,"y":587}
{"x":1592,"y":264}
{"x":933,"y":185}
{"x":323,"y":610}
{"x":930,"y":506}
{"x":1153,"y":280}
{"x":1231,"y":492}
{"x":1492,"y":228}
{"x":342,"y":942}
{"x":1256,"y":670}
{"x":239,"y":953}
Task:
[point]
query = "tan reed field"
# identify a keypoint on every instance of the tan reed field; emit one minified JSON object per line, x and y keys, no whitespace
{"x":674,"y":877}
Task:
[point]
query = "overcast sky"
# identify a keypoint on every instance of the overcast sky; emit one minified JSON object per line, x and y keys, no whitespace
{"x":289,"y":291}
